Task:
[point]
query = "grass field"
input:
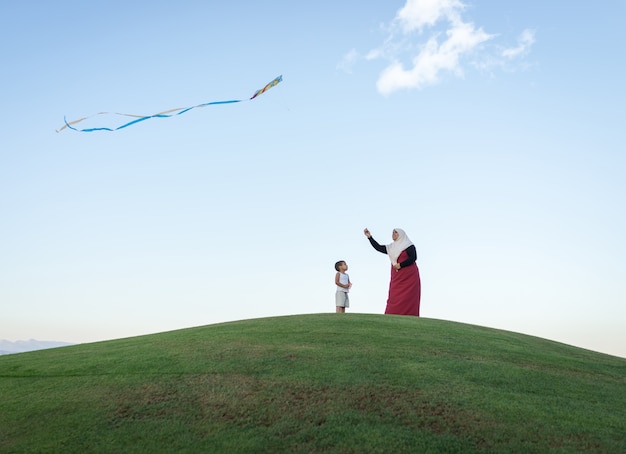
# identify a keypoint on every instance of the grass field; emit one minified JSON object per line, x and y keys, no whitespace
{"x":346,"y":383}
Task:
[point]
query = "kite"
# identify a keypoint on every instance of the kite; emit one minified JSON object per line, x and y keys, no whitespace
{"x":164,"y":114}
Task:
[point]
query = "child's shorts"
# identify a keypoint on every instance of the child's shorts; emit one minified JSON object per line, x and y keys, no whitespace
{"x":342,"y":299}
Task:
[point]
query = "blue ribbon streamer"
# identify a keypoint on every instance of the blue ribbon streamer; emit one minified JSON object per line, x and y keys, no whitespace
{"x":164,"y":114}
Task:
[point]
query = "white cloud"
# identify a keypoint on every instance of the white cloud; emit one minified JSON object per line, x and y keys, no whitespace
{"x":418,"y":13}
{"x":433,"y":57}
{"x":443,"y":43}
{"x":524,"y":43}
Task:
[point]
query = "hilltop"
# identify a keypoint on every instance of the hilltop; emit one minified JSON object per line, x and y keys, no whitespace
{"x":315,"y":383}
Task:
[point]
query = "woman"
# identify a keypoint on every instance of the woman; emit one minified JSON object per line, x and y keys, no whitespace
{"x":405,"y":286}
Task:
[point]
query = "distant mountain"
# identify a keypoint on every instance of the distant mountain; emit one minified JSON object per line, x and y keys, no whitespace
{"x":8,"y":347}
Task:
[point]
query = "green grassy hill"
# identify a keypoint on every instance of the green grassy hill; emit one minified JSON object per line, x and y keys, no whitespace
{"x":350,"y":383}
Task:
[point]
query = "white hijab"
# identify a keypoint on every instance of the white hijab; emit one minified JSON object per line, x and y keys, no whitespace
{"x":395,"y":249}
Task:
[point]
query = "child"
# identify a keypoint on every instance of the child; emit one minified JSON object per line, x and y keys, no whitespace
{"x":343,"y":286}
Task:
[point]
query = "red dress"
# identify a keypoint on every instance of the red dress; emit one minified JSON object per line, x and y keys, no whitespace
{"x":404,"y":289}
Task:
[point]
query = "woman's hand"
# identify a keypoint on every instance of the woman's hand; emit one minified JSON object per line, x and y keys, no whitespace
{"x":397,"y":266}
{"x":367,"y":233}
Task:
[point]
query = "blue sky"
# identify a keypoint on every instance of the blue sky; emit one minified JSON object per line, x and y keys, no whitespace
{"x":491,"y":132}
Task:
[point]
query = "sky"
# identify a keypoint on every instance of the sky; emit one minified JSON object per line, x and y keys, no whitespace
{"x":491,"y":132}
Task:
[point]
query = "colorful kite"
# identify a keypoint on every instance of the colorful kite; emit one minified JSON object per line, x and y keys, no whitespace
{"x":164,"y":114}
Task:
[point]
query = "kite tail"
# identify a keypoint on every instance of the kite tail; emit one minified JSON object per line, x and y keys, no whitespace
{"x":165,"y":114}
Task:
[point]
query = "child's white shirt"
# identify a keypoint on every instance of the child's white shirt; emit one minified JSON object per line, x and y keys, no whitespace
{"x":345,"y":280}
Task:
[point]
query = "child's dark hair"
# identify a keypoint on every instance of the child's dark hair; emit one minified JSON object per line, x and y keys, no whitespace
{"x":338,"y":264}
